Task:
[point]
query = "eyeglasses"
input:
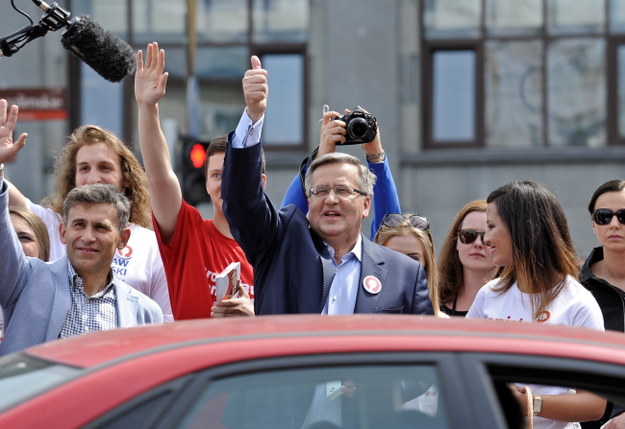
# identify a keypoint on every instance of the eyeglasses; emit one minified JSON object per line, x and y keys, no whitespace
{"x":604,"y":216}
{"x":341,"y":191}
{"x":468,"y":236}
{"x":396,"y":219}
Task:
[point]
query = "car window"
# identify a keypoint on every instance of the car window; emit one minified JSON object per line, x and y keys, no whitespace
{"x":22,"y":377}
{"x":397,"y":396}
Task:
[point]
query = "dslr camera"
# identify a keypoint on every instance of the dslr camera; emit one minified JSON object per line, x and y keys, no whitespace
{"x":361,"y":126}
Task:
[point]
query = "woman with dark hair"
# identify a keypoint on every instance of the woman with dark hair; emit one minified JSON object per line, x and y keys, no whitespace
{"x":603,"y":273}
{"x":529,"y":237}
{"x":464,"y":264}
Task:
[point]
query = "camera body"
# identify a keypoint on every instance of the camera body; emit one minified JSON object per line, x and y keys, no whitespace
{"x":361,"y":126}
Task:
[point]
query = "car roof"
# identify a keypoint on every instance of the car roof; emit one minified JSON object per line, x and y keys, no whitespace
{"x":354,"y":333}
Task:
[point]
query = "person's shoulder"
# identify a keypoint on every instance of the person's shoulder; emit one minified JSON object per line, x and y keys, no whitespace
{"x":574,"y":287}
{"x":138,"y":231}
{"x":493,"y":286}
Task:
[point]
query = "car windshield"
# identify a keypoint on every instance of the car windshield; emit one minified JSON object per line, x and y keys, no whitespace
{"x":23,"y":376}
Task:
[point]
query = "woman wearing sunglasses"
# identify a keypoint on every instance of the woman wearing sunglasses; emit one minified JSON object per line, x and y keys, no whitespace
{"x":603,"y":273}
{"x":465,"y":263}
{"x":410,"y":234}
{"x":529,"y":237}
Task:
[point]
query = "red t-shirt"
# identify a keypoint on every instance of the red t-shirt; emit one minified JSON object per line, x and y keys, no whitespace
{"x":196,"y":253}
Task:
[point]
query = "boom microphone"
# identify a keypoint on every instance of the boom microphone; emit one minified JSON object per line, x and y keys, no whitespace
{"x":111,"y":57}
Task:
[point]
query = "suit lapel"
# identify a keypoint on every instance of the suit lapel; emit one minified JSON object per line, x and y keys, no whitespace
{"x":127,"y":306}
{"x":60,"y":305}
{"x":372,"y":265}
{"x":327,"y":267}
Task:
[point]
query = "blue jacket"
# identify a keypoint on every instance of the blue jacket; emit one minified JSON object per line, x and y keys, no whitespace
{"x":35,"y":295}
{"x":292,"y":268}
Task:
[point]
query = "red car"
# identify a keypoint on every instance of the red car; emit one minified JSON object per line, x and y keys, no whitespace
{"x":304,"y":371}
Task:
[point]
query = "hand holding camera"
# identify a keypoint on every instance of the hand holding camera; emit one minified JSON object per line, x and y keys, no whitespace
{"x":334,"y":130}
{"x":360,"y":126}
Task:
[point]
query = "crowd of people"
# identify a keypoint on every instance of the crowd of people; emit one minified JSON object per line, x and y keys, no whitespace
{"x":126,"y":249}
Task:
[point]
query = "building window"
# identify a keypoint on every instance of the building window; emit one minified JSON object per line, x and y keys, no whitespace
{"x":284,"y":119}
{"x":453,"y":95}
{"x":228,"y":32}
{"x":530,"y":73}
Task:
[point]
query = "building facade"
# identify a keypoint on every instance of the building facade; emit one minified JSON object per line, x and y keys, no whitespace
{"x":469,"y":94}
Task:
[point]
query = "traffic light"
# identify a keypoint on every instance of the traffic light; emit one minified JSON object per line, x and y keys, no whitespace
{"x":193,"y":181}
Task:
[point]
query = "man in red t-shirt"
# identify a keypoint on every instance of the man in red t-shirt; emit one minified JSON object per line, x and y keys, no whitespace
{"x":194,"y":250}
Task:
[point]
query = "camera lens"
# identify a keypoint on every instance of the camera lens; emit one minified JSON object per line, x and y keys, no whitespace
{"x":357,"y":128}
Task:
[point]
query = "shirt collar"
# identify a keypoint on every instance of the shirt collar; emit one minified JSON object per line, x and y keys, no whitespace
{"x":355,"y":252}
{"x":75,"y":281}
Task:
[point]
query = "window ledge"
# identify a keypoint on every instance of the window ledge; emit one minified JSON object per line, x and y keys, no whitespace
{"x":533,"y":156}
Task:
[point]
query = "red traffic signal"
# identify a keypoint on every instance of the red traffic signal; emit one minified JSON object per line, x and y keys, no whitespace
{"x":197,"y":155}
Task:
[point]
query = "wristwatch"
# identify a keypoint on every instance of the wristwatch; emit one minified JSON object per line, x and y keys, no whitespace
{"x":377,"y":158}
{"x":538,"y":404}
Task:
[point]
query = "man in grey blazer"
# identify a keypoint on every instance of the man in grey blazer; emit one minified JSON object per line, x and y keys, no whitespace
{"x":320,"y":263}
{"x":77,"y":293}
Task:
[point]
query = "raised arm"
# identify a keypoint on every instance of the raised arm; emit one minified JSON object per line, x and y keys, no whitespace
{"x":12,"y":261}
{"x":251,"y":217}
{"x":163,"y":185}
{"x":385,"y":198}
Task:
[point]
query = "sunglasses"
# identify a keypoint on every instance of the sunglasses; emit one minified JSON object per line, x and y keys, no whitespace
{"x":604,"y":216}
{"x":468,"y":236}
{"x":396,"y":219}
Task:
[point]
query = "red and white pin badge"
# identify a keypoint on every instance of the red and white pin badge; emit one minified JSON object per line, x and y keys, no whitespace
{"x":372,"y":284}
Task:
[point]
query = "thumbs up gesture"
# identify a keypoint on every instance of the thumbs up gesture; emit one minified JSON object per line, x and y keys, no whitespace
{"x":255,"y":89}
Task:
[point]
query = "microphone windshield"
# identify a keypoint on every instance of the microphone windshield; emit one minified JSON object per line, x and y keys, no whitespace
{"x":111,"y":57}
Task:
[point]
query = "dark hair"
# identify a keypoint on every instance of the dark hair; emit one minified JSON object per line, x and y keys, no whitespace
{"x":615,"y":185}
{"x":99,"y":193}
{"x":220,"y":145}
{"x":542,"y":248}
{"x":134,"y":182}
{"x":450,"y":269}
{"x":39,"y":228}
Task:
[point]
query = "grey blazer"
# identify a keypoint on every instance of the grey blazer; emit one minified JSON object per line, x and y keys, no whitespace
{"x":35,"y":295}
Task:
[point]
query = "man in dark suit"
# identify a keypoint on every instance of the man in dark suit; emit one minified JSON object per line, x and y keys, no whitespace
{"x":320,"y":263}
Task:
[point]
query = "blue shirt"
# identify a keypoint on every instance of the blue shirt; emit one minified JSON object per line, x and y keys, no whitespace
{"x":344,"y":287}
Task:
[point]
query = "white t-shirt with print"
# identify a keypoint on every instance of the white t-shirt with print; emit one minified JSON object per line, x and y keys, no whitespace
{"x":138,"y":264}
{"x":574,"y":306}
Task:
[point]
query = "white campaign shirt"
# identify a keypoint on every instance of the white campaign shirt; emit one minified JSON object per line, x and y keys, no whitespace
{"x":574,"y":306}
{"x":138,"y":264}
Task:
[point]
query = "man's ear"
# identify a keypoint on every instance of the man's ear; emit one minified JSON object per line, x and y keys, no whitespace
{"x":366,"y":207}
{"x":62,"y":231}
{"x":263,"y":178}
{"x":123,"y":238}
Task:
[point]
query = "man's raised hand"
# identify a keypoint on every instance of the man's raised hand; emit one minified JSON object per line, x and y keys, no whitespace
{"x":8,"y":120}
{"x":255,"y":89}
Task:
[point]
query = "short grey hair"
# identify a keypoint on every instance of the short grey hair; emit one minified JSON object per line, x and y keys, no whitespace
{"x":366,"y":176}
{"x":99,"y":193}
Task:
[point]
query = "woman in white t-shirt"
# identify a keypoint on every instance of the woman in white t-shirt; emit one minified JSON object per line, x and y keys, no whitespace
{"x":528,"y":234}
